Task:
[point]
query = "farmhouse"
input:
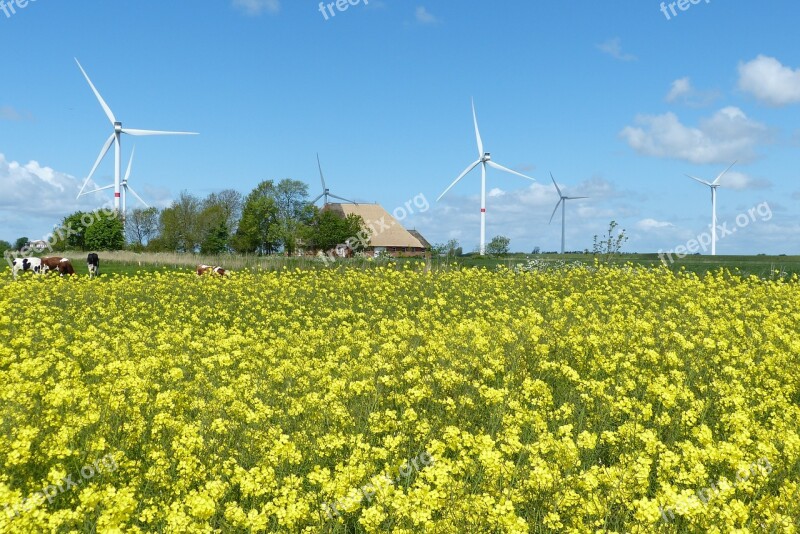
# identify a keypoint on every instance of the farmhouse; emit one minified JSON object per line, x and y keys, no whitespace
{"x":388,"y":235}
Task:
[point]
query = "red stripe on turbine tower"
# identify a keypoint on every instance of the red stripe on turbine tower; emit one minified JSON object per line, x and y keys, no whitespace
{"x":483,"y":210}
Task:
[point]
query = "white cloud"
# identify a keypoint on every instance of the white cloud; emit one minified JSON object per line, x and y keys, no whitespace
{"x":424,"y":16}
{"x":613,"y":48}
{"x":769,"y":81}
{"x":726,"y":136}
{"x":682,"y":91}
{"x":35,"y":197}
{"x":679,"y":88}
{"x":256,"y":7}
{"x":647,"y":225}
{"x":496,"y":192}
{"x":739,"y":181}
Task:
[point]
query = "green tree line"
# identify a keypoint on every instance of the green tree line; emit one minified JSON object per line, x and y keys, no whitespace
{"x":272,"y":218}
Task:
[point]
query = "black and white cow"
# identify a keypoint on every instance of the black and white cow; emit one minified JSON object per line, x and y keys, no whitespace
{"x":93,"y":262}
{"x":26,"y":264}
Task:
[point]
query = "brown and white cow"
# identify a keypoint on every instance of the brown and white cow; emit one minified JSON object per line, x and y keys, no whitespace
{"x":55,"y":263}
{"x":208,"y":269}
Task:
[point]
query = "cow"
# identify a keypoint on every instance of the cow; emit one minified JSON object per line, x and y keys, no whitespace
{"x":93,"y":263}
{"x":55,"y":263}
{"x":65,"y":267}
{"x":208,"y":269}
{"x":26,"y":264}
{"x":343,"y":250}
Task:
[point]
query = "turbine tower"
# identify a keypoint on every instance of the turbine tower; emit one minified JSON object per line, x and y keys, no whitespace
{"x":562,"y":201}
{"x":125,"y":188}
{"x":484,"y":159}
{"x":713,"y":185}
{"x":116,"y":139}
{"x":325,"y":191}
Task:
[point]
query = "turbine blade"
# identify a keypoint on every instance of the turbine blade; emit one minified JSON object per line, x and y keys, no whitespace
{"x":322,"y":178}
{"x":131,"y":131}
{"x":573,"y":198}
{"x":103,"y":152}
{"x":460,"y":176}
{"x":555,"y":210}
{"x":477,"y":132}
{"x":555,"y":184}
{"x":129,"y":188}
{"x":105,"y":107}
{"x":723,"y":173}
{"x":501,"y":168}
{"x":130,"y":164}
{"x":99,"y":189}
{"x":696,"y":179}
{"x":343,"y":199}
{"x":315,"y":200}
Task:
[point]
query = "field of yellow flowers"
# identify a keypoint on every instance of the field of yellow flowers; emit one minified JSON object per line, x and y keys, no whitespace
{"x":590,"y":399}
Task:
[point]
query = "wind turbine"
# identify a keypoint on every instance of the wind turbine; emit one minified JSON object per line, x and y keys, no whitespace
{"x":713,"y":185}
{"x":116,"y":139}
{"x":124,"y":187}
{"x":325,"y":191}
{"x":484,"y":159}
{"x":562,"y":200}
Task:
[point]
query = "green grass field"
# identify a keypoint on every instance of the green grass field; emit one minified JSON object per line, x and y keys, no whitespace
{"x":761,"y":266}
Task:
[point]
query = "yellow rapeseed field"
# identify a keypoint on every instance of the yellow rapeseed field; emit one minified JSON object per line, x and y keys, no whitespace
{"x":590,"y":399}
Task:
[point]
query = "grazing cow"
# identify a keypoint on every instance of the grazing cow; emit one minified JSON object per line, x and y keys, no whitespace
{"x":93,"y":262}
{"x":26,"y":264}
{"x":65,"y":267}
{"x":343,"y":250}
{"x":56,"y":263}
{"x":207,"y":269}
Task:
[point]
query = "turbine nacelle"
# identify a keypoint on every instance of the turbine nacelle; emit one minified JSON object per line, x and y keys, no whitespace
{"x":486,"y":157}
{"x":118,"y":127}
{"x":326,"y":192}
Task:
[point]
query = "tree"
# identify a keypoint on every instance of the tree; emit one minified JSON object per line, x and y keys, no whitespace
{"x":294,"y":212}
{"x":439,"y":249}
{"x":258,"y":228}
{"x":4,"y":246}
{"x":536,"y":250}
{"x":73,"y":231}
{"x":610,"y":244}
{"x":141,"y":226}
{"x":453,"y":248}
{"x":329,"y":229}
{"x":179,"y":225}
{"x":21,"y":242}
{"x":216,"y":240}
{"x":106,"y":232}
{"x":228,"y":203}
{"x":498,"y":245}
{"x":219,"y":216}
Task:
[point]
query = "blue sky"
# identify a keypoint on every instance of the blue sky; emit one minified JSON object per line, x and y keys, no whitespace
{"x":614,"y":99}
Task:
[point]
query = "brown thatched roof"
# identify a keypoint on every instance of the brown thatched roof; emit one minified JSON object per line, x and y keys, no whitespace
{"x":387,"y":231}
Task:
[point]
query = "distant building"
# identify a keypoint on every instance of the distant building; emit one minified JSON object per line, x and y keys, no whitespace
{"x":388,"y":235}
